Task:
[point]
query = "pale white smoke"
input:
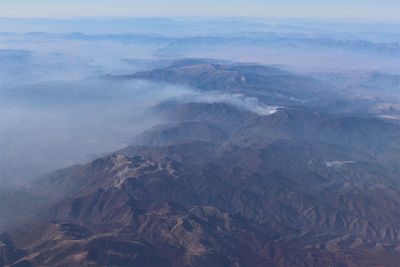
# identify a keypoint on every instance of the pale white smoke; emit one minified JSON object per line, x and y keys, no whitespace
{"x":235,"y":99}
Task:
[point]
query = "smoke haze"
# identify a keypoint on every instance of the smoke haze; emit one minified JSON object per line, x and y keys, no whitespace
{"x":58,"y":108}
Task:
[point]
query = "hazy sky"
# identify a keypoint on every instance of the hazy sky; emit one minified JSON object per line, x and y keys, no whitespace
{"x":357,"y":9}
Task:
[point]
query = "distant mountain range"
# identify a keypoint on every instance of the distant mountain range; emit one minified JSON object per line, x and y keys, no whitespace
{"x":173,"y":44}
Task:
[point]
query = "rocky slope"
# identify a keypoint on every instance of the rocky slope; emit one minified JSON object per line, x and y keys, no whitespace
{"x":220,"y":186}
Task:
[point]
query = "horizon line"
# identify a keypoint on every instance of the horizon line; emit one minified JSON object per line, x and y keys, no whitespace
{"x":333,"y":19}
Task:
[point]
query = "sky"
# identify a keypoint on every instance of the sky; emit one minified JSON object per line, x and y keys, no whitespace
{"x":348,"y":9}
